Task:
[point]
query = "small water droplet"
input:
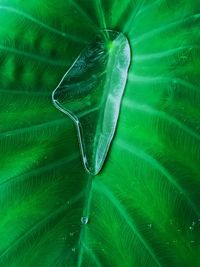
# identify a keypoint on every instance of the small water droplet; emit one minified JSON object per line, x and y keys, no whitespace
{"x":149,"y":225}
{"x":192,"y":241}
{"x":84,"y":220}
{"x":178,"y":230}
{"x":193,"y":223}
{"x":191,"y":228}
{"x":73,"y":249}
{"x":71,"y":233}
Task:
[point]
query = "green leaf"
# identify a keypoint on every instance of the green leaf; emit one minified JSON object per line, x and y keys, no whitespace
{"x":143,"y":207}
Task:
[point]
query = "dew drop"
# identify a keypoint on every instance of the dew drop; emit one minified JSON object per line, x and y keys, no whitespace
{"x":91,"y":91}
{"x":149,"y":225}
{"x":84,"y":220}
{"x":73,"y":249}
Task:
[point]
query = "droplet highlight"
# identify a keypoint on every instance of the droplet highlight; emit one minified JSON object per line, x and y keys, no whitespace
{"x":84,"y":220}
{"x":91,"y":91}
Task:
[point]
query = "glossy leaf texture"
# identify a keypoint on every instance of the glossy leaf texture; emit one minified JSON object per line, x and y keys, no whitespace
{"x":143,"y":208}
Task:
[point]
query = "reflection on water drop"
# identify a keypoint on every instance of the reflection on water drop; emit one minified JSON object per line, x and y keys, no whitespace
{"x":84,"y":220}
{"x":73,"y":249}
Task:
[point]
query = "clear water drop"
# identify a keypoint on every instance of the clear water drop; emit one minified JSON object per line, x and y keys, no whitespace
{"x":73,"y":249}
{"x":84,"y":220}
{"x":149,"y":225}
{"x":91,"y":91}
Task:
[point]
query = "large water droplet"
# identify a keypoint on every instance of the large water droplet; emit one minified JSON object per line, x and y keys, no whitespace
{"x":84,"y":220}
{"x":91,"y":91}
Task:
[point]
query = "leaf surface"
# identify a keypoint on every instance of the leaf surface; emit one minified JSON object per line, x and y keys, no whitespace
{"x":143,"y":208}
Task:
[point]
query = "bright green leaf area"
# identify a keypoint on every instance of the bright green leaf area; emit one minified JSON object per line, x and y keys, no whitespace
{"x":143,"y":208}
